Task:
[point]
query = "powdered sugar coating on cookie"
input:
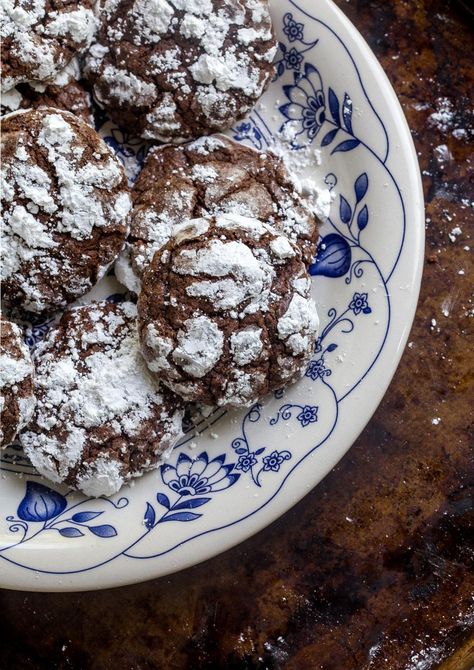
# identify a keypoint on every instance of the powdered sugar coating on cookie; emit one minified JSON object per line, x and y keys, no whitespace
{"x":211,"y":175}
{"x":65,"y":203}
{"x":17,"y":400}
{"x":101,"y":416}
{"x":63,"y":92}
{"x":177,"y":69}
{"x":40,"y":38}
{"x":224,"y":313}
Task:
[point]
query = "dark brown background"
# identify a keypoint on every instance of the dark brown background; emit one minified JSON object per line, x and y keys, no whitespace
{"x":392,"y":589}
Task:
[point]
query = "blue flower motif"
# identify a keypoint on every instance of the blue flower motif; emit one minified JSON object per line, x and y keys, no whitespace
{"x":193,"y":477}
{"x":40,"y":503}
{"x":309,"y":414}
{"x":274,"y":460}
{"x":293,"y":59}
{"x":245,"y":462}
{"x":292,"y":29}
{"x":317,"y":370}
{"x":243,"y":131}
{"x":247,"y":131}
{"x":359,"y":304}
{"x":307,"y":107}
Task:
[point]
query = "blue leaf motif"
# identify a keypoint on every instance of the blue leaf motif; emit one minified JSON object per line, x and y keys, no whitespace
{"x":182,"y":516}
{"x":103,"y":531}
{"x":81,"y":517}
{"x":328,"y":138}
{"x":347,"y":113}
{"x":333,"y":105}
{"x":149,"y":517}
{"x":333,"y":258}
{"x":347,"y":145}
{"x":70,"y":532}
{"x":345,"y":211}
{"x":232,"y":479}
{"x":361,"y":185}
{"x":241,"y":450}
{"x":40,"y":503}
{"x":332,"y":347}
{"x":363,"y":218}
{"x":163,"y":500}
{"x":190,"y":504}
{"x":259,"y":451}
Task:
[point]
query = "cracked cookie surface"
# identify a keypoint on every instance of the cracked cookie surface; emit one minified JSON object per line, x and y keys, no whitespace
{"x":101,"y":416}
{"x":17,"y":400}
{"x":210,"y":175}
{"x":225,"y":314}
{"x":40,"y":37}
{"x":177,"y":69}
{"x":65,"y":202}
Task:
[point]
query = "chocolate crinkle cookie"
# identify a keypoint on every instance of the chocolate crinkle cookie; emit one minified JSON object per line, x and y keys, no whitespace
{"x":224,"y":313}
{"x":178,"y":69}
{"x":210,"y":175}
{"x":101,"y":416}
{"x":63,"y":92}
{"x":65,"y":202}
{"x":40,"y":38}
{"x":17,"y":400}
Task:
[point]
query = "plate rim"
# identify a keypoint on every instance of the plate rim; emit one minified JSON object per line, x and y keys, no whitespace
{"x":279,"y":507}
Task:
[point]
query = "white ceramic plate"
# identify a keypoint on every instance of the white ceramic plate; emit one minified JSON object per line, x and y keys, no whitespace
{"x":245,"y":469}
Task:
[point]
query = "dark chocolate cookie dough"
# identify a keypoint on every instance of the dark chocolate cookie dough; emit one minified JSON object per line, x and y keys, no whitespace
{"x":40,"y":38}
{"x":65,"y":202}
{"x":101,"y":416}
{"x":213,"y":174}
{"x":224,"y":313}
{"x":178,"y":69}
{"x":16,"y":382}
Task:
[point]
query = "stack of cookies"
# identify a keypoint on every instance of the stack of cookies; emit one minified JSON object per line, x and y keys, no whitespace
{"x":212,"y":242}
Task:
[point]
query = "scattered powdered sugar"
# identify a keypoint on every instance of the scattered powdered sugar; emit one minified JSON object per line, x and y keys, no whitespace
{"x":94,"y":390}
{"x":301,"y":163}
{"x":444,"y":116}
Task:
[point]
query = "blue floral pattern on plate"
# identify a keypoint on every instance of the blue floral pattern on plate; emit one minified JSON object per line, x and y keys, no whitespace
{"x":237,"y":457}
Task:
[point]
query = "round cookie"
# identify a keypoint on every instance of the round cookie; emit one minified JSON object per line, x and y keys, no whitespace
{"x":16,"y":382}
{"x":40,"y":38}
{"x":65,"y":202}
{"x":211,"y":175}
{"x":172,"y":70}
{"x":63,"y":92}
{"x":101,"y":416}
{"x":224,"y":313}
